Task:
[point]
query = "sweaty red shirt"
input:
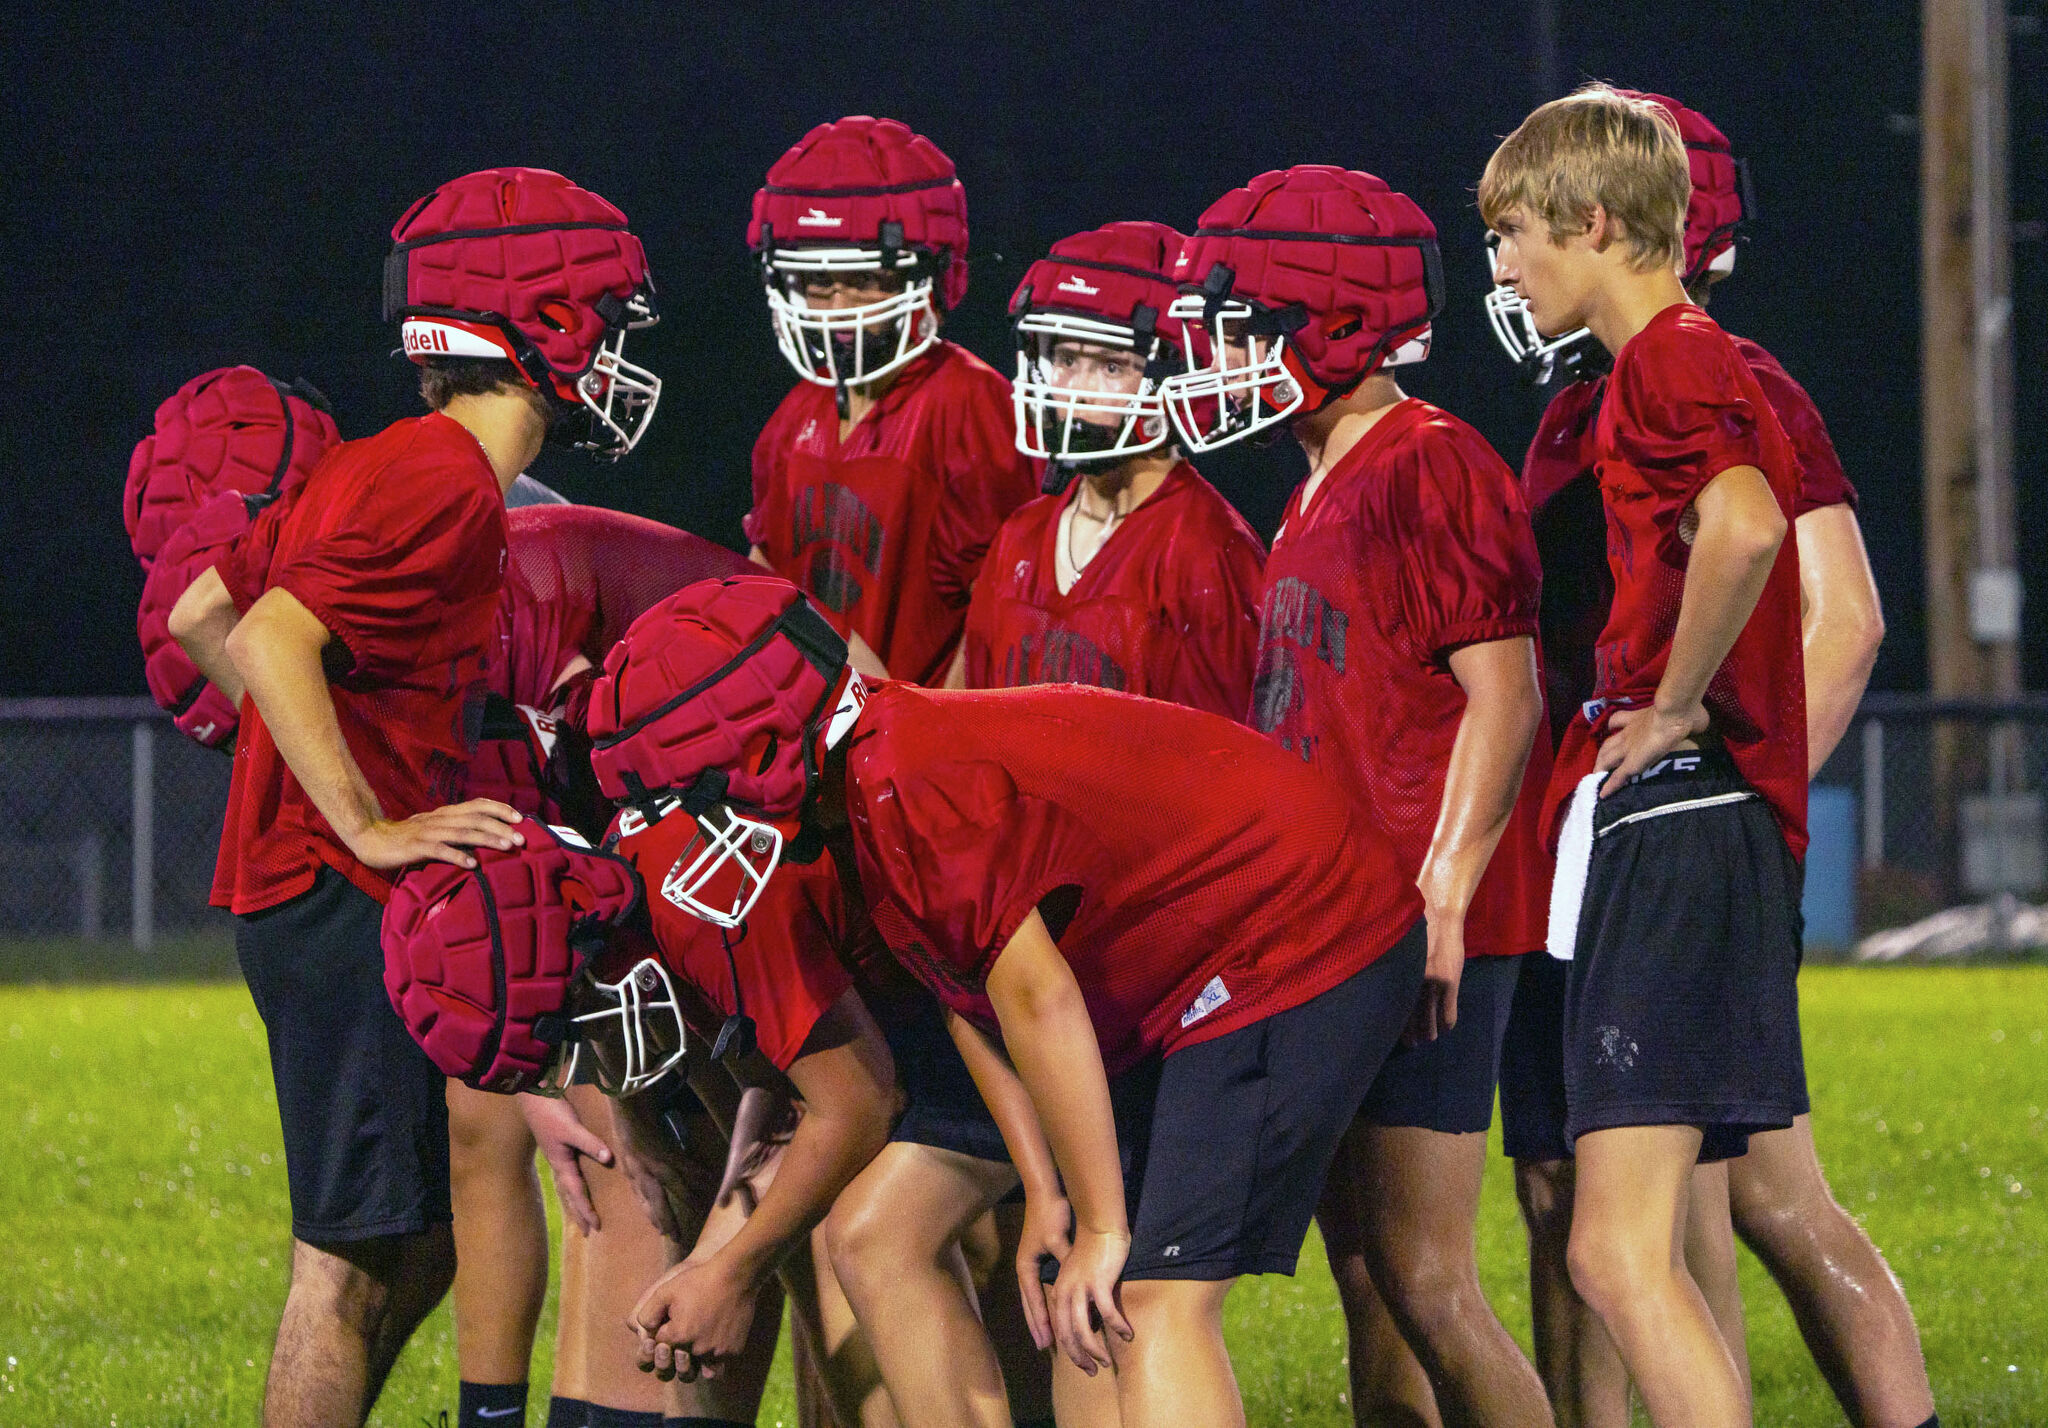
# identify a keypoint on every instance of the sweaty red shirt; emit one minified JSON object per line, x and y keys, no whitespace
{"x":887,"y":530}
{"x":1681,"y":407}
{"x":1168,"y":607}
{"x":396,"y":543}
{"x":1415,"y":544}
{"x":1196,"y":878}
{"x":577,"y":577}
{"x":787,"y":957}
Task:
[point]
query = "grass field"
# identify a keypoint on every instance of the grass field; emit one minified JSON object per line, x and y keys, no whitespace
{"x":143,"y":1243}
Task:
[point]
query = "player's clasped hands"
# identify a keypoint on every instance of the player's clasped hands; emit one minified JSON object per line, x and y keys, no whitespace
{"x":694,"y":1318}
{"x":443,"y":835}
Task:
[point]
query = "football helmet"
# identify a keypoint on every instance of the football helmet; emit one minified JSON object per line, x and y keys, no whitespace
{"x":231,"y":429}
{"x":480,"y":963}
{"x":860,"y":196}
{"x":1107,"y":288}
{"x":1296,"y":288}
{"x":522,"y":266}
{"x":198,"y":709}
{"x":1722,"y":202}
{"x":721,"y":702}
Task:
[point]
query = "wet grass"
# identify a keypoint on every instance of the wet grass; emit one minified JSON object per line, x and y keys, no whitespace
{"x":143,"y":1215}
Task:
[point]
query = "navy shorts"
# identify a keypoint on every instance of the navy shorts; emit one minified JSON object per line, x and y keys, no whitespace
{"x":942,"y":1105}
{"x":365,"y":1113}
{"x":1447,"y":1084}
{"x":1532,"y":1108}
{"x":1682,"y":1002}
{"x":1245,"y":1126}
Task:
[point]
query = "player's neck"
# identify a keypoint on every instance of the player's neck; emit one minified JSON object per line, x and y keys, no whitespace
{"x":1626,"y":301}
{"x":509,"y":426}
{"x":862,"y":399}
{"x":1328,"y":436}
{"x":1119,"y":489}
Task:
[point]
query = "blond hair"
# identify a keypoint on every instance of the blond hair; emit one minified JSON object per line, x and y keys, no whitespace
{"x":1596,"y":147}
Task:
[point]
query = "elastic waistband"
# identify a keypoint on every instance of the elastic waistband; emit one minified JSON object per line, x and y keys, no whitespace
{"x":1680,"y":781}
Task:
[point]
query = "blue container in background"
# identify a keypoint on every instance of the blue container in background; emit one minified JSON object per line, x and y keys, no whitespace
{"x":1830,"y":900}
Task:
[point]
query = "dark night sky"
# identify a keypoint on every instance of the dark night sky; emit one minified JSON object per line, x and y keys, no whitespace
{"x":186,"y":194}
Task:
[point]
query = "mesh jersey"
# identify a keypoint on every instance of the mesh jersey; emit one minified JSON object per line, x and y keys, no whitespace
{"x":786,"y":957}
{"x":887,"y":530}
{"x":396,"y":544}
{"x":1682,"y":407}
{"x":1416,"y":543}
{"x":1196,"y":878}
{"x":577,"y":577}
{"x":1167,"y":608}
{"x":1564,"y":498}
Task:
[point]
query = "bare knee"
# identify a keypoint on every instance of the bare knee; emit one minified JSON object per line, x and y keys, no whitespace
{"x":1544,"y":1190}
{"x":1608,"y":1268}
{"x":864,"y":1237}
{"x":356,"y":1285}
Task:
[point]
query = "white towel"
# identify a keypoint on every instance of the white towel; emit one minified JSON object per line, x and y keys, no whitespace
{"x":1574,"y":858}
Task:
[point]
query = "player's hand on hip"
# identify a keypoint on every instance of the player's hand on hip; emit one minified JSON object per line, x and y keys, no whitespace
{"x":1047,"y":1221}
{"x":440,"y":835}
{"x":1085,"y":1306}
{"x":1436,"y":1010}
{"x":694,"y":1318}
{"x":565,"y":1140}
{"x":1637,"y":738}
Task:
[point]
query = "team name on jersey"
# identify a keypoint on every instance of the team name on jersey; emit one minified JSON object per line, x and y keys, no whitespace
{"x":1062,"y":656}
{"x":829,"y":524}
{"x":1298,"y":623}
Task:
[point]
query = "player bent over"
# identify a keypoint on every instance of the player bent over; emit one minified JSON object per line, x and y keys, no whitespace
{"x":882,"y":476}
{"x":1678,"y":861}
{"x":1098,"y":880}
{"x":1396,"y":659}
{"x":1140,"y":577}
{"x":1849,"y":1307}
{"x":360,"y":657}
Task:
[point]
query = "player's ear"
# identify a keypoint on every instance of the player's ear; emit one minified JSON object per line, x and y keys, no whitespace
{"x":1600,"y":228}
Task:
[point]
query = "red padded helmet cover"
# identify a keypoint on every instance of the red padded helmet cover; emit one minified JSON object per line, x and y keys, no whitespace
{"x":525,"y":245}
{"x":197,"y":708}
{"x":1716,"y":208}
{"x":1107,"y":273}
{"x":841,"y":182}
{"x":478,"y":961}
{"x":756,"y":696}
{"x":231,"y":429}
{"x":1359,"y":257}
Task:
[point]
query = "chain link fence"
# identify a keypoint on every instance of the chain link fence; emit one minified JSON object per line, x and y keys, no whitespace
{"x":109,"y":819}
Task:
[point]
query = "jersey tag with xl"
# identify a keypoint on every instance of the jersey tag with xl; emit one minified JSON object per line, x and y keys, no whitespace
{"x":1213,"y":996}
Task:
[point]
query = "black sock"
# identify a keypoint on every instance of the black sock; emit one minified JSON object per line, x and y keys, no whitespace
{"x":1933,"y":1421}
{"x":490,"y":1405}
{"x":602,"y":1417}
{"x":568,"y":1413}
{"x":703,"y":1423}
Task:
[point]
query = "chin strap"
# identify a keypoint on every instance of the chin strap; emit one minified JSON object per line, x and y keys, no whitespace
{"x":1059,"y":474}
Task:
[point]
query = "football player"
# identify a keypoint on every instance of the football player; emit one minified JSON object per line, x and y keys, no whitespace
{"x":360,"y":647}
{"x":1397,"y":659}
{"x":1118,"y":888}
{"x":882,"y":476}
{"x":1685,"y":773}
{"x":1857,"y":1322}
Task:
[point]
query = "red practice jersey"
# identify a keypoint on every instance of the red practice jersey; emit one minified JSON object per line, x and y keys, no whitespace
{"x":577,"y":577}
{"x":787,"y":958}
{"x":886,"y":531}
{"x":396,"y":544}
{"x":1564,"y":499}
{"x":1681,"y":407}
{"x":1196,"y":878}
{"x":1168,"y":608}
{"x":1415,"y":544}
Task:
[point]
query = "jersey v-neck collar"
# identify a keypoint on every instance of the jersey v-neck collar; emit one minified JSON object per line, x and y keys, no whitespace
{"x":1304,"y":511}
{"x":1175,"y":479}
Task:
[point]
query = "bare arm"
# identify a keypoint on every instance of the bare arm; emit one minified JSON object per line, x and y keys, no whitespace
{"x":1503,"y":705}
{"x":956,"y":672}
{"x":700,"y":1312}
{"x":1840,"y":621}
{"x":201,"y":622}
{"x":1051,"y":1040}
{"x":276,"y":649}
{"x":1740,"y":530}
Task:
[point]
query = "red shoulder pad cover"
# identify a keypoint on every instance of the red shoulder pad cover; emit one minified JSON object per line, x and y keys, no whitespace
{"x":478,"y":961}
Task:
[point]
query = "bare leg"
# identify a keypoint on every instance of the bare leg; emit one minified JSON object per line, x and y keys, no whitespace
{"x":1388,"y":1387}
{"x":1581,"y":1370}
{"x":1850,"y":1308}
{"x":894,"y":1243}
{"x":832,"y":1346}
{"x":1709,"y":1249}
{"x":1175,"y":1372}
{"x":1418,"y":1201}
{"x":1629,"y":1197}
{"x":501,"y":1236}
{"x":1081,"y":1401}
{"x":351,"y":1308}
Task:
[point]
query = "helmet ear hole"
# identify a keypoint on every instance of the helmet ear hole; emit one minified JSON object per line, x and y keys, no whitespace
{"x":557,"y":315}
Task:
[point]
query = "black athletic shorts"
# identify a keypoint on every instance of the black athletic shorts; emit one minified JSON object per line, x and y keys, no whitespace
{"x":365,"y":1113}
{"x":1682,"y":1000}
{"x":1532,"y":1105}
{"x":942,"y":1105}
{"x":1447,"y":1084}
{"x":1245,"y":1126}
